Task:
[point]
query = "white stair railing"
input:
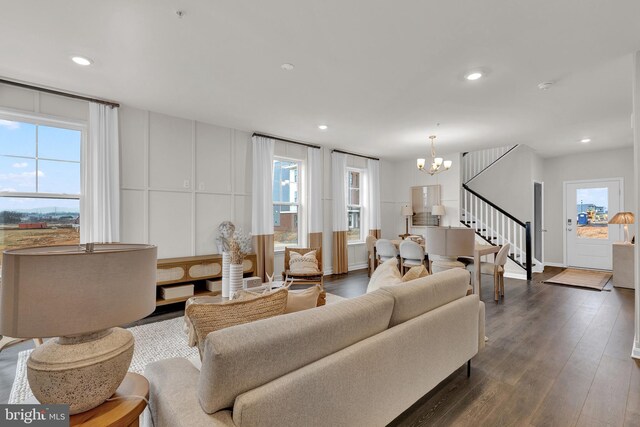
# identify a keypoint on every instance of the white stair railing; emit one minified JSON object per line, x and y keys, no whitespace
{"x":497,"y":227}
{"x":475,"y":162}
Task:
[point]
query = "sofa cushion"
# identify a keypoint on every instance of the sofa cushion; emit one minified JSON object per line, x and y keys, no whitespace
{"x":303,"y":300}
{"x":207,"y":318}
{"x":415,"y":272}
{"x":387,"y":273}
{"x":426,"y":293}
{"x":247,"y":356}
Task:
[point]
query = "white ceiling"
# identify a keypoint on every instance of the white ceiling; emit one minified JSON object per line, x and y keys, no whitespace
{"x":380,"y":73}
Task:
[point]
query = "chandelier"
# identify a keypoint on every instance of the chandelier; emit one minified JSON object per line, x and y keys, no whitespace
{"x":438,"y":164}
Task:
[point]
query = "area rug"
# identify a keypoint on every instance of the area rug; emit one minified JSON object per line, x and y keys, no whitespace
{"x":153,"y":342}
{"x":581,"y":278}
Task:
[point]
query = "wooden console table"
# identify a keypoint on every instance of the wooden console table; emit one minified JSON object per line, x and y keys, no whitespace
{"x":196,"y":270}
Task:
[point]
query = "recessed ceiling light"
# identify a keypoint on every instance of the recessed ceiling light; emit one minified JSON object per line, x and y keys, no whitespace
{"x":287,"y":67}
{"x":585,"y":140}
{"x":473,"y":76}
{"x":81,"y":60}
{"x":323,"y":127}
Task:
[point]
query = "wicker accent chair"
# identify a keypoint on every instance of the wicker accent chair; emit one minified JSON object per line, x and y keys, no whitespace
{"x":306,"y":278}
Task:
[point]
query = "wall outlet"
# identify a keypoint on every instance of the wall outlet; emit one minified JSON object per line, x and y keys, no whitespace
{"x":186,"y":183}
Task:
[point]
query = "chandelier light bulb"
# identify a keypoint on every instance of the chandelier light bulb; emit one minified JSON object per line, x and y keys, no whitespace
{"x":421,"y":163}
{"x":438,"y":161}
{"x":447,"y":164}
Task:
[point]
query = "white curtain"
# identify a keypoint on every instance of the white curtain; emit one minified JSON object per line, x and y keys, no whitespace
{"x":314,"y":194}
{"x":100,"y":177}
{"x":262,"y":205}
{"x":262,"y":183}
{"x":373,"y":190}
{"x":340,"y":255}
{"x":339,"y":190}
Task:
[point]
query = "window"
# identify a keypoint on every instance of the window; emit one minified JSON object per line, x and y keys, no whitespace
{"x":286,"y":202}
{"x":39,"y":184}
{"x":355,"y":209}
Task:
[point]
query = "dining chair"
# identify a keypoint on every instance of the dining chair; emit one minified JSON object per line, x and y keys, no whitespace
{"x":385,"y":250}
{"x":411,"y":255}
{"x":496,"y":268}
{"x":371,"y":254}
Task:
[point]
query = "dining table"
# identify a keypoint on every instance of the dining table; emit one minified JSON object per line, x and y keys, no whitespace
{"x":479,"y":251}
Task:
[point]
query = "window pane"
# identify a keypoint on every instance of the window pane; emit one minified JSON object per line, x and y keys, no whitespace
{"x":59,"y":143}
{"x":353,"y":232}
{"x":593,"y":213}
{"x":17,"y":138}
{"x":354,"y":179}
{"x":38,"y":222}
{"x":354,"y":196}
{"x":17,"y":174}
{"x":58,"y":177}
{"x":285,"y":225}
{"x":285,"y":181}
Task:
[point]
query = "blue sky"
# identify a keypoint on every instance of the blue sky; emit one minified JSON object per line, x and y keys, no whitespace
{"x":597,"y":196}
{"x":19,"y":173}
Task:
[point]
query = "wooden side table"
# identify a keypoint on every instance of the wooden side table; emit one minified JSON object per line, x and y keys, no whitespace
{"x":122,"y":412}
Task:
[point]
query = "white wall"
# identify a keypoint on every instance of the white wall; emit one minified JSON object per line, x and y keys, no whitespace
{"x":160,"y":154}
{"x":180,"y":178}
{"x":590,"y":165}
{"x":14,"y":99}
{"x":406,"y":176}
{"x":509,"y":182}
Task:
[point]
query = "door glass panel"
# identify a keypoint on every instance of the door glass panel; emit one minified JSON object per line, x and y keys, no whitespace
{"x":592,"y":213}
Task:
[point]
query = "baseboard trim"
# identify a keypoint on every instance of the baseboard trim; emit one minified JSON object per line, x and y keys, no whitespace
{"x":358,"y":267}
{"x":554,"y":264}
{"x":512,"y":275}
{"x":353,"y":267}
{"x":635,"y":352}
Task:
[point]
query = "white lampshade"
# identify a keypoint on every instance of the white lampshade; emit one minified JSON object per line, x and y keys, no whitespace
{"x":447,"y":164}
{"x":406,"y":211}
{"x":421,"y":163}
{"x":450,"y":241}
{"x":64,"y":290}
{"x":438,"y":161}
{"x":437,"y":210}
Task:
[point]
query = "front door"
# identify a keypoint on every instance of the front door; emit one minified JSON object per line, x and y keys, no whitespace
{"x":588,"y":207}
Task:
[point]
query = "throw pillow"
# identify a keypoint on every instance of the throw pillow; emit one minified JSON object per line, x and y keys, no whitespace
{"x":387,"y":273}
{"x":303,"y":300}
{"x":303,"y":264}
{"x":415,"y":273}
{"x":210,"y":317}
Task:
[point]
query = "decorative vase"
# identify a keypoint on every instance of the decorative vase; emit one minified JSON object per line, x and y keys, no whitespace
{"x":235,"y":279}
{"x":226,"y":262}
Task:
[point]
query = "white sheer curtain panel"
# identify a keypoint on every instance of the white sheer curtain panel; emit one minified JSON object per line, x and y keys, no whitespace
{"x":373,"y":197}
{"x":100,"y":177}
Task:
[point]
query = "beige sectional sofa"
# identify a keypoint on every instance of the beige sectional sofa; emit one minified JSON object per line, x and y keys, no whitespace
{"x":358,"y":362}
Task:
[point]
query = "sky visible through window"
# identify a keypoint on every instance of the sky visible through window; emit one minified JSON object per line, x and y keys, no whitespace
{"x":58,"y":152}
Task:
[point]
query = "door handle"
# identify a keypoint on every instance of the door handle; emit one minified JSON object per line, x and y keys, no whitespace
{"x":569,"y":229}
{"x":543,"y":231}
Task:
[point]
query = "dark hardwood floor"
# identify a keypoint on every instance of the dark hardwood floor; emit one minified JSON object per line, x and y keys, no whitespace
{"x":556,"y":356}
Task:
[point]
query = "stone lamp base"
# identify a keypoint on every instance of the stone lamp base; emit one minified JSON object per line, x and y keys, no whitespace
{"x":81,"y":371}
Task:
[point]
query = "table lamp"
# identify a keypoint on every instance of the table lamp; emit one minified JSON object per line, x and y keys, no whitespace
{"x":625,"y":218}
{"x":79,"y":294}
{"x":406,"y":212}
{"x":438,"y":210}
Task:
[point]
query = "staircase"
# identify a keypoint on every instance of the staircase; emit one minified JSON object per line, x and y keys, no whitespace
{"x":492,"y":223}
